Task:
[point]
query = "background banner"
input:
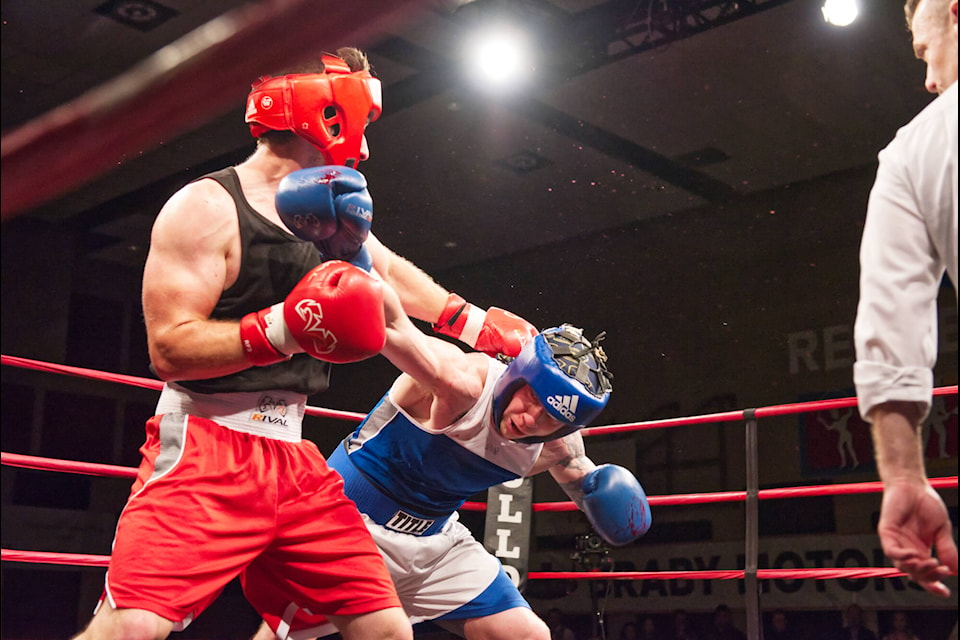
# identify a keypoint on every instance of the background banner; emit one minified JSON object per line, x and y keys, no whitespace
{"x":507,"y":530}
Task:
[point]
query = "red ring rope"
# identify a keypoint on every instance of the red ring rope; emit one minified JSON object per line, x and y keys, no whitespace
{"x":146,"y":383}
{"x":69,"y":466}
{"x":726,"y":416}
{"x":96,"y":469}
{"x":720,"y":574}
{"x":740,"y":414}
{"x":85,"y":560}
{"x":190,"y":81}
{"x":49,"y":557}
{"x":49,"y":464}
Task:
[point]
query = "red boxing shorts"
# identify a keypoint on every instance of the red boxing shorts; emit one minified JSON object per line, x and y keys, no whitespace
{"x":210,"y":504}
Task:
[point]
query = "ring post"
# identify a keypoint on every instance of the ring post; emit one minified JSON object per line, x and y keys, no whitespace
{"x":752,"y":526}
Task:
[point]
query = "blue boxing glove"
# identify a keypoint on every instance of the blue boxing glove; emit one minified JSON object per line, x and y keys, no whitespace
{"x":615,"y":504}
{"x":330,"y":207}
{"x":362,"y":259}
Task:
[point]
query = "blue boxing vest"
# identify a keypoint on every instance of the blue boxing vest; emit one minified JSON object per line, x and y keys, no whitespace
{"x":411,"y":479}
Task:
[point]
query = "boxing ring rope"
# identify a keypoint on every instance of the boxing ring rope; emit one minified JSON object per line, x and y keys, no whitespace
{"x":146,"y":383}
{"x":87,"y":560}
{"x":852,"y":488}
{"x":742,"y":414}
{"x":750,"y":573}
{"x":188,"y":82}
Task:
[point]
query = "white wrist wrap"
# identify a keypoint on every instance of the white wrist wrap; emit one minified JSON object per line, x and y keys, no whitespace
{"x":471,"y":330}
{"x":278,"y":333}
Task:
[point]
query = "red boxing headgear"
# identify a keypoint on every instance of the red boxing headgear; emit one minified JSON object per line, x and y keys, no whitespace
{"x":329,"y":109}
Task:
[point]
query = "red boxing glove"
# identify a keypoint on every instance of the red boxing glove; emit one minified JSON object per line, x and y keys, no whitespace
{"x":492,"y":331}
{"x":335,"y":314}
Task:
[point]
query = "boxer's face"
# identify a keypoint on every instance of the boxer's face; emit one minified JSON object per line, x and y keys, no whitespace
{"x":525,"y":417}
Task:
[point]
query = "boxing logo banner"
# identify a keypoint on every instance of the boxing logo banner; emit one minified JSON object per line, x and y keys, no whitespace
{"x":507,"y":531}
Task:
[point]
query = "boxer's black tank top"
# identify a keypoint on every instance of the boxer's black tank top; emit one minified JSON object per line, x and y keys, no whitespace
{"x":272,"y":262}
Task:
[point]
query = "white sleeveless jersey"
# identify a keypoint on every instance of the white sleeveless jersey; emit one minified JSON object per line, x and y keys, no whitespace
{"x":428,"y":474}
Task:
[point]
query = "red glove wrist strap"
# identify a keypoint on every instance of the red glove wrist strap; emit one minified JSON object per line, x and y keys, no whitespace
{"x":255,"y":344}
{"x":453,"y":318}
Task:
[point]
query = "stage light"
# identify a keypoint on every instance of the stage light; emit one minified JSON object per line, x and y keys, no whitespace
{"x":499,"y":56}
{"x":840,"y":13}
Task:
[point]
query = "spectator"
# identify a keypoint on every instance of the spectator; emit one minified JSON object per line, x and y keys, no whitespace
{"x":629,"y":631}
{"x":901,"y":628}
{"x":681,"y":626}
{"x":780,"y":628}
{"x":854,"y":628}
{"x":723,"y":628}
{"x":648,"y":629}
{"x":558,"y":627}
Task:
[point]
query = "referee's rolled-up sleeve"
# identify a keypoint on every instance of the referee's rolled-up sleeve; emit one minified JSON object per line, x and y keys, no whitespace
{"x":895,"y":333}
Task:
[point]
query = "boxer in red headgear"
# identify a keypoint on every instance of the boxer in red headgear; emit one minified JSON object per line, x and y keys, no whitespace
{"x":243,"y":319}
{"x":330,"y":110}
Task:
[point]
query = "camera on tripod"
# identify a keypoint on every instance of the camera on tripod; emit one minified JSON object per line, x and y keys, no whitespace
{"x":592,"y":552}
{"x":591,"y":543}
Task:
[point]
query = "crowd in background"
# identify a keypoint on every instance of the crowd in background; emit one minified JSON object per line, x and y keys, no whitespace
{"x":850,"y":623}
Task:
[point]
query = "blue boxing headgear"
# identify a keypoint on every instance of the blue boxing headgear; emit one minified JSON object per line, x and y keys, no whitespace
{"x":567,"y":373}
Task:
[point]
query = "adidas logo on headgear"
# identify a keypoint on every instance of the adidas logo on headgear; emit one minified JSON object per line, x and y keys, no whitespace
{"x":566,"y":405}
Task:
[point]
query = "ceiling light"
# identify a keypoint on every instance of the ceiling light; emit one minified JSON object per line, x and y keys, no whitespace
{"x":498,"y":57}
{"x":840,"y":13}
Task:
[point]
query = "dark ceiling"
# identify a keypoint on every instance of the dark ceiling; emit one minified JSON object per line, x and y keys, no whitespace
{"x":637,"y":109}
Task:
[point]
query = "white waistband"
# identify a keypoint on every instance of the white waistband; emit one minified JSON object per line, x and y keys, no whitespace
{"x":272,"y":414}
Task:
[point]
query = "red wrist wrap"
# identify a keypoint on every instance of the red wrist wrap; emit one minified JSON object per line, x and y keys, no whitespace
{"x":453,"y":318}
{"x":256,"y":346}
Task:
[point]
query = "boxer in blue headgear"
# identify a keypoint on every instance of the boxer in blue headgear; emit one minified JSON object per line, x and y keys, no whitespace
{"x":566,"y":372}
{"x":426,"y":448}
